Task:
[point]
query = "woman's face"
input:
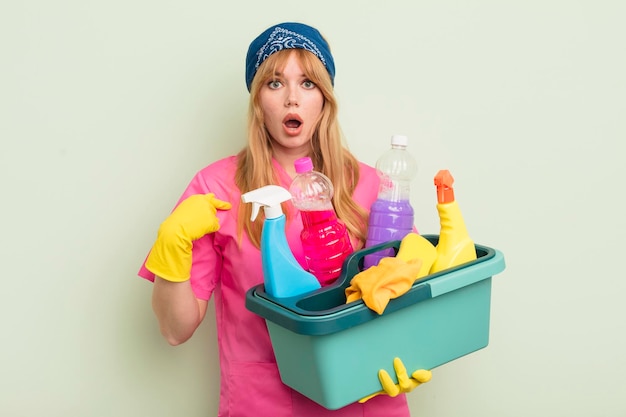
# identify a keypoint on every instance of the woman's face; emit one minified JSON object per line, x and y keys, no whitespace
{"x":291,"y":105}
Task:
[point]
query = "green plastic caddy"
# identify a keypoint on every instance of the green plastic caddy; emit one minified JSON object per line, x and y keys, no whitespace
{"x":331,"y":351}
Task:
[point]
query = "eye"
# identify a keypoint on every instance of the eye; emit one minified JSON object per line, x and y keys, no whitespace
{"x":274,"y":84}
{"x":308,"y":84}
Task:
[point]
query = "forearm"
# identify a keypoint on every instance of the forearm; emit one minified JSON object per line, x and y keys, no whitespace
{"x":178,"y":311}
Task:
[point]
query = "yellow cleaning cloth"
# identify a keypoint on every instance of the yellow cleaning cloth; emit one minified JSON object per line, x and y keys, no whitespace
{"x":378,"y":284}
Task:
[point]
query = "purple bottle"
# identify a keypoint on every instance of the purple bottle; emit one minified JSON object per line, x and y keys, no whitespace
{"x":391,"y":216}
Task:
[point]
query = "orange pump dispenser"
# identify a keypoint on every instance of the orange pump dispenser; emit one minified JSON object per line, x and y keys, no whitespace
{"x":455,"y":245}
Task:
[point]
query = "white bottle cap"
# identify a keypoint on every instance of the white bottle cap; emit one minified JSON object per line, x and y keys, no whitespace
{"x":399,"y":140}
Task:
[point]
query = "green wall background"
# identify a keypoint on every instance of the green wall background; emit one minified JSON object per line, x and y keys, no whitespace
{"x":108,"y":109}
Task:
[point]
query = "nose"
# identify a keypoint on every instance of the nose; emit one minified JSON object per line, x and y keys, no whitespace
{"x":292,"y":98}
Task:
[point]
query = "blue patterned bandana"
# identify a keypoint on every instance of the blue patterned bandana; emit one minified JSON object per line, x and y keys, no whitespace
{"x":287,"y":36}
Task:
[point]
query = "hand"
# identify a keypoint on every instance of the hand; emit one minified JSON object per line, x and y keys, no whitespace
{"x":194,"y":217}
{"x":405,"y":383}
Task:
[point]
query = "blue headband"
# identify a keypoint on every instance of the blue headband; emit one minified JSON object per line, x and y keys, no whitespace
{"x":287,"y":36}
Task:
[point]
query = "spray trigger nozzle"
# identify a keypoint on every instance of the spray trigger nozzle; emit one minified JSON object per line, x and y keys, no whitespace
{"x":269,"y":197}
{"x":255,"y":210}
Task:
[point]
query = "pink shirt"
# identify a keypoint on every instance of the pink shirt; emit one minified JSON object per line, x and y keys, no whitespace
{"x":250,"y":382}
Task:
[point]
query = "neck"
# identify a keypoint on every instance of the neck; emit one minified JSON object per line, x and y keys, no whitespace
{"x":286,"y":161}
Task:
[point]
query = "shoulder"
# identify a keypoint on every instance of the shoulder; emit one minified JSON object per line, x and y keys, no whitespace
{"x":221,"y":166}
{"x":221,"y":171}
{"x":366,"y":190}
{"x":368,"y":176}
{"x":367,"y":171}
{"x":217,"y":177}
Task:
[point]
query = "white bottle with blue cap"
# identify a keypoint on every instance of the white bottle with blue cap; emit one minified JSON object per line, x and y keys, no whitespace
{"x":282,"y":274}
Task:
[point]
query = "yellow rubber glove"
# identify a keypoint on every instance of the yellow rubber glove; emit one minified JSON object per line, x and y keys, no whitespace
{"x":405,"y":383}
{"x":194,"y":217}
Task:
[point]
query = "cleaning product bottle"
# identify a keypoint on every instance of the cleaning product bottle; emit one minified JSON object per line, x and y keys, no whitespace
{"x":283,"y":276}
{"x":391,"y":216}
{"x":455,"y":245}
{"x":325,"y":239}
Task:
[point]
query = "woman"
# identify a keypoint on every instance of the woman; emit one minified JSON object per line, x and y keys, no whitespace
{"x":292,"y":114}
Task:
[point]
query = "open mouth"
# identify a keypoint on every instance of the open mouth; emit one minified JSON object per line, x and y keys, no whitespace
{"x":293,"y":124}
{"x":292,"y":121}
